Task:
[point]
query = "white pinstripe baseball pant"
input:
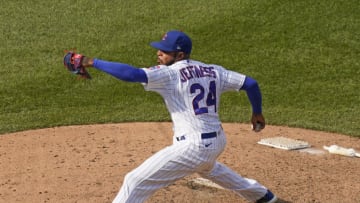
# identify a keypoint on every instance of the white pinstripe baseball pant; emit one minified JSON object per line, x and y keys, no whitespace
{"x":188,"y":154}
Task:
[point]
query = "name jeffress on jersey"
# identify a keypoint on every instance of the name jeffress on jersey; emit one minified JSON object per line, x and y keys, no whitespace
{"x":191,"y":72}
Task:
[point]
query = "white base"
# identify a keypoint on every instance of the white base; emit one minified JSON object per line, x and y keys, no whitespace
{"x":284,"y":143}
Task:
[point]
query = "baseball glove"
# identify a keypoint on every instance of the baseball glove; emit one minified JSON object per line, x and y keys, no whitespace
{"x":72,"y":61}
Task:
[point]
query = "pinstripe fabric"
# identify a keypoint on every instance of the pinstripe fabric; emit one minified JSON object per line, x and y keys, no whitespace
{"x":191,"y":91}
{"x":166,"y":81}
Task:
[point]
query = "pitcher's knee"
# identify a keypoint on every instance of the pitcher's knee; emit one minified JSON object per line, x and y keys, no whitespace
{"x":131,"y":180}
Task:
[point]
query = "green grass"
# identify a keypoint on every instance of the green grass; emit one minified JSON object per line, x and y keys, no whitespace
{"x":305,"y":55}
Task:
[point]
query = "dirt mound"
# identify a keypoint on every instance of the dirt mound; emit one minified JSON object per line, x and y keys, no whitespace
{"x":88,"y":164}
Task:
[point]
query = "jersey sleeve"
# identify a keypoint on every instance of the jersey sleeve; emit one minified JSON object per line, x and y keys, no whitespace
{"x":231,"y":80}
{"x":159,"y":78}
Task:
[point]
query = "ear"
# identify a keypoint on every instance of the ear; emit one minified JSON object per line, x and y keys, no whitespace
{"x":180,"y":56}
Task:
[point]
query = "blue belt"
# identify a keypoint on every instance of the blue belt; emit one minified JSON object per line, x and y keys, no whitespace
{"x":203,"y":136}
{"x":208,"y":135}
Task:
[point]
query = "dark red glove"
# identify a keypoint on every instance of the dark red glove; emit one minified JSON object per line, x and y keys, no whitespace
{"x":73,"y":62}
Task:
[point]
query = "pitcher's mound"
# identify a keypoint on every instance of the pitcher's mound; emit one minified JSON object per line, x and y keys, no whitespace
{"x":88,"y":164}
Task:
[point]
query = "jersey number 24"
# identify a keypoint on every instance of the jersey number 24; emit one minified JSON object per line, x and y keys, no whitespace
{"x":209,"y":93}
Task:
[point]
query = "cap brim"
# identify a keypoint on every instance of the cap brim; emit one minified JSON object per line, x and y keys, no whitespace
{"x":161,"y":46}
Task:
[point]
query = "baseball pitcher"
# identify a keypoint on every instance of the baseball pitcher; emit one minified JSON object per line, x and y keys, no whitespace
{"x":191,"y":90}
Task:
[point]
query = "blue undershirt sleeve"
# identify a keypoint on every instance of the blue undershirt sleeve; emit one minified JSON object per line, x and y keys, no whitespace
{"x":121,"y":71}
{"x":253,"y":92}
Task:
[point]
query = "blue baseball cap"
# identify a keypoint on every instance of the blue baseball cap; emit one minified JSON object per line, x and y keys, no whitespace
{"x":174,"y":41}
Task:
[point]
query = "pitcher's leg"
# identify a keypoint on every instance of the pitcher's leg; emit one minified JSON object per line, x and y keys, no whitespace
{"x":248,"y":188}
{"x":160,"y":170}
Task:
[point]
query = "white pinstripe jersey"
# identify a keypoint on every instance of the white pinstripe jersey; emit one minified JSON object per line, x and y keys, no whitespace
{"x":191,"y":91}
